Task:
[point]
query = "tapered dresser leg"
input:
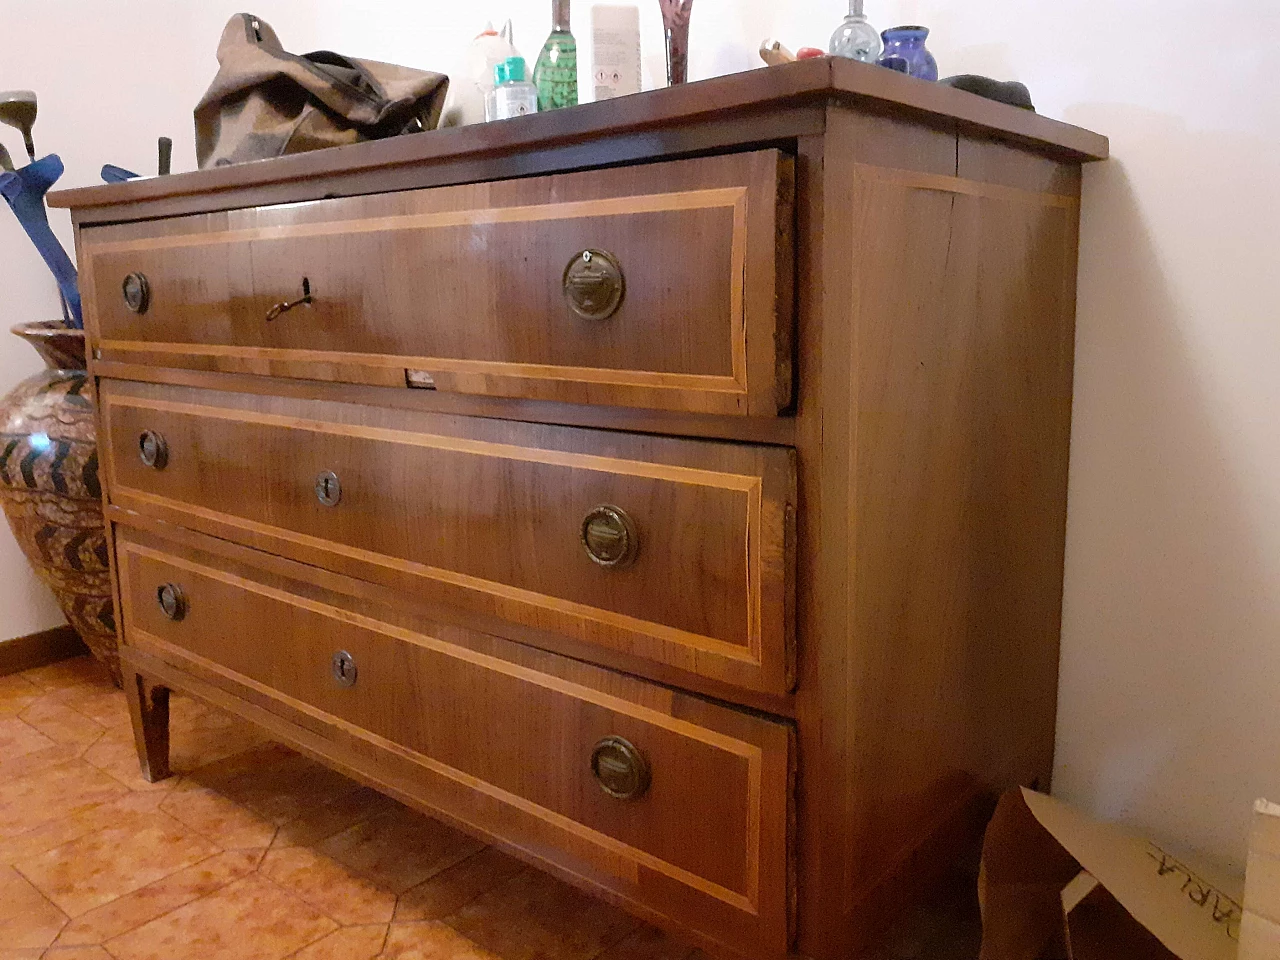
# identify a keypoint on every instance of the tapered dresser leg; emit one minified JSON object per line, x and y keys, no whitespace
{"x":149,"y":708}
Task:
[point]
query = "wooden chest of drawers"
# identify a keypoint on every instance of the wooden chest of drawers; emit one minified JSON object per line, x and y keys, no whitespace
{"x":670,"y":490}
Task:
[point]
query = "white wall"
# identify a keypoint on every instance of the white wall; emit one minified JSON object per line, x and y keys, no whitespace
{"x":1171,"y":627}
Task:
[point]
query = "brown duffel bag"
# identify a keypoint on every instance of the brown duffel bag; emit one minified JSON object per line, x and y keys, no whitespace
{"x":265,"y":102}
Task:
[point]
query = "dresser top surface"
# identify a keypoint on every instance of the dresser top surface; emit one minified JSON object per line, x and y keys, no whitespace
{"x":805,"y":81}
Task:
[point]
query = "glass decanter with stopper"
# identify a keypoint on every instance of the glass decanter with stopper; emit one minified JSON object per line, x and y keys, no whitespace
{"x":855,"y":38}
{"x":556,"y":72}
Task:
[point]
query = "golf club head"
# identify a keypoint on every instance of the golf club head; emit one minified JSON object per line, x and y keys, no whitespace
{"x":6,"y":162}
{"x":18,"y":109}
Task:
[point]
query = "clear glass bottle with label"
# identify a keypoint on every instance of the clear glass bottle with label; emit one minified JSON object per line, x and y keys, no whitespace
{"x":556,"y":72}
{"x":512,"y":95}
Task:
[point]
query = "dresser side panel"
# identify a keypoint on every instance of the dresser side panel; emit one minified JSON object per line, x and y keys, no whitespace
{"x":933,"y":495}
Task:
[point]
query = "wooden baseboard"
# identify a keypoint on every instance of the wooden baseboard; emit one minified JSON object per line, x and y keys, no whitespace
{"x":39,"y":649}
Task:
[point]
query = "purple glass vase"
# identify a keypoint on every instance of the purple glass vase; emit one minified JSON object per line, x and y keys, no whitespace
{"x":905,"y":45}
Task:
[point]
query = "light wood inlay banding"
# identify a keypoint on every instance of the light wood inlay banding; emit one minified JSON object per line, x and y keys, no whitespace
{"x":734,"y":198}
{"x":175,"y":641}
{"x":693,"y":238}
{"x":437,"y":365}
{"x":724,"y":618}
{"x":872,"y":318}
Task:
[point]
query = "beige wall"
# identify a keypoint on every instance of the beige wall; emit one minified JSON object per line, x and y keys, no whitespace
{"x":1171,"y":627}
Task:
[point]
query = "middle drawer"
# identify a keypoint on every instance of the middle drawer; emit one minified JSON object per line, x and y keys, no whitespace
{"x":672,"y":551}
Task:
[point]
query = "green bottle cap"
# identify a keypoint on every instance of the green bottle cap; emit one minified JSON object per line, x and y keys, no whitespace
{"x":510,"y":70}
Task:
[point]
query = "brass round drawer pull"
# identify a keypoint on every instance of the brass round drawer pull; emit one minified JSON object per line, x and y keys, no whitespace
{"x":620,"y":768}
{"x":594,"y":284}
{"x":153,"y":449}
{"x":610,"y":536}
{"x":137,"y":292}
{"x":328,"y":488}
{"x":173,"y":602}
{"x":344,"y":669}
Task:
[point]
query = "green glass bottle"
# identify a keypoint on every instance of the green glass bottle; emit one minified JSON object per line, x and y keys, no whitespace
{"x":556,"y":73}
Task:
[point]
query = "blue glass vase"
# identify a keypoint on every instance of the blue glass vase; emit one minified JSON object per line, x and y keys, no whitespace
{"x":905,"y":45}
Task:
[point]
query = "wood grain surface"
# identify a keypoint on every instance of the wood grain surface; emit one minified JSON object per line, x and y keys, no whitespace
{"x":779,"y":431}
{"x":863,"y":556}
{"x":936,"y":338}
{"x":465,"y":285}
{"x":487,"y":515}
{"x":701,"y":833}
{"x":768,"y":91}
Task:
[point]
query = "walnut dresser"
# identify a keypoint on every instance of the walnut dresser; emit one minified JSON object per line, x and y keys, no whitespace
{"x":670,"y":490}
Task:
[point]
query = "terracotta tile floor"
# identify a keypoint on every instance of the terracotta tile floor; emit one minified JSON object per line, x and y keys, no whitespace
{"x":250,"y":852}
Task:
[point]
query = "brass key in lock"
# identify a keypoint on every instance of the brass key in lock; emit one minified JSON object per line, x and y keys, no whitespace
{"x":286,"y":305}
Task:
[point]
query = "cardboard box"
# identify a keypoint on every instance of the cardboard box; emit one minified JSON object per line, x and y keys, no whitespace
{"x":1057,"y":884}
{"x":1260,"y":928}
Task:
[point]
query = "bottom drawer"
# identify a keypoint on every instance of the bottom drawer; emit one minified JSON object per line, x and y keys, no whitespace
{"x":675,"y":804}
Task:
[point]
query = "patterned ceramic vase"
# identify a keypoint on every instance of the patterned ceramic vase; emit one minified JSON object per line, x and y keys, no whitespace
{"x":49,"y":484}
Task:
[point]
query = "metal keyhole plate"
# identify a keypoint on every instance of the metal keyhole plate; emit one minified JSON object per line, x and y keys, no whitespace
{"x":328,"y":488}
{"x":344,"y":669}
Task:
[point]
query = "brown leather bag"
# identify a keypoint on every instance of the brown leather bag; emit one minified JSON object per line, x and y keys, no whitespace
{"x":265,"y":102}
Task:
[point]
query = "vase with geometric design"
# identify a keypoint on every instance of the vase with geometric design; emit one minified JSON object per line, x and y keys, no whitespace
{"x":49,"y":485}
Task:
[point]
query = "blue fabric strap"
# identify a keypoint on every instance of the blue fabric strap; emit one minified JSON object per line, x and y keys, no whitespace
{"x":24,"y":191}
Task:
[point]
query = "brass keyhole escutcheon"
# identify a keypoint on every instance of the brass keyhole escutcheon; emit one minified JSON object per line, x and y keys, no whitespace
{"x":344,"y":669}
{"x":594,"y":284}
{"x":173,"y":602}
{"x":137,"y":292}
{"x":328,"y":488}
{"x":620,"y":768}
{"x":153,"y":450}
{"x":610,"y":536}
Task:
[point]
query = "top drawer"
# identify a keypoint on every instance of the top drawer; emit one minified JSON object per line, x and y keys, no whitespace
{"x":683,"y":301}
